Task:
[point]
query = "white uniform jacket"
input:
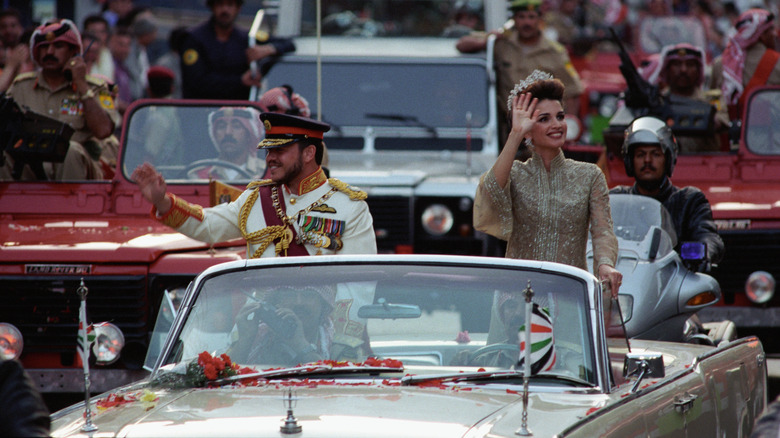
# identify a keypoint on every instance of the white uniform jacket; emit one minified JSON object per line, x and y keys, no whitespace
{"x":328,"y":216}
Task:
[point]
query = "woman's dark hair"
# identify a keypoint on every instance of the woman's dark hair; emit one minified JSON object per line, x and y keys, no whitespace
{"x":551,"y":89}
{"x":548,"y":89}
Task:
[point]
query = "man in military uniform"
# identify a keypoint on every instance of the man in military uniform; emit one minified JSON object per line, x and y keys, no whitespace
{"x":216,"y":55}
{"x":62,"y":90}
{"x":298,"y":211}
{"x":519,"y":50}
{"x":682,"y":74}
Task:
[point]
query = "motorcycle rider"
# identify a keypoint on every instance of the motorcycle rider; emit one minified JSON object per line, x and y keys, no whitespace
{"x":649,"y":155}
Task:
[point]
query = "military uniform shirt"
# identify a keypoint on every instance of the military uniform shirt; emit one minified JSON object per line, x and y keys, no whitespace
{"x":321,"y":217}
{"x":515,"y":61}
{"x":212,"y":69}
{"x":63,"y":103}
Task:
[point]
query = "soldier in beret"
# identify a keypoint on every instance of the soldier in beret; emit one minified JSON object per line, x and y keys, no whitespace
{"x":215,"y":57}
{"x":297,"y":211}
{"x":63,"y":90}
{"x":521,"y":48}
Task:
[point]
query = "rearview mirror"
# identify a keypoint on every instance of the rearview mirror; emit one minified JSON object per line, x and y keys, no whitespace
{"x":385,"y":310}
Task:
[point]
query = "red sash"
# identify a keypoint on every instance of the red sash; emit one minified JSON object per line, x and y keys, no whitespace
{"x":764,"y":69}
{"x":271,"y":218}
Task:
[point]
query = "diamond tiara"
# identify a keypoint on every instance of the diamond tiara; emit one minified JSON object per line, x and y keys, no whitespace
{"x":536,"y":75}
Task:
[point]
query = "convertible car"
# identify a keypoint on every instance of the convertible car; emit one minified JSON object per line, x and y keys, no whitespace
{"x":418,"y":346}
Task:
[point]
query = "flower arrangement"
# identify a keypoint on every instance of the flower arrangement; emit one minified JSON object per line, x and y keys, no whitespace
{"x":200,"y":372}
{"x":208,"y":368}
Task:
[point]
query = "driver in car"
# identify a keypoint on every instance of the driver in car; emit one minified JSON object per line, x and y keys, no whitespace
{"x":235,"y":133}
{"x":649,"y":155}
{"x":288,"y":326}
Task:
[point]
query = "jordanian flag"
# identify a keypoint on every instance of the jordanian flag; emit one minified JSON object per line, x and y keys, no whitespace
{"x":542,"y":341}
{"x":86,"y":336}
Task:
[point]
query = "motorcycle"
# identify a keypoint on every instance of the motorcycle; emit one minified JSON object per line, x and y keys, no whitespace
{"x":661,"y":290}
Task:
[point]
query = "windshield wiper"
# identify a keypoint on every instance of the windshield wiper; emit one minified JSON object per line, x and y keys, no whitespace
{"x":410,"y":120}
{"x":310,"y":370}
{"x":490,"y":376}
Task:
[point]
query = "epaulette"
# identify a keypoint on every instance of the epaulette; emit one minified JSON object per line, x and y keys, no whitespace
{"x":560,"y":48}
{"x":354,"y":193}
{"x":24,"y":76}
{"x":260,"y":183}
{"x":715,"y":93}
{"x":94,"y":80}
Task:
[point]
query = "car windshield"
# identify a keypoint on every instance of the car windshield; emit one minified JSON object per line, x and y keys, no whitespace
{"x":424,"y":318}
{"x":187,"y":141}
{"x":635,"y":217}
{"x":760,"y":135}
{"x":425,"y":97}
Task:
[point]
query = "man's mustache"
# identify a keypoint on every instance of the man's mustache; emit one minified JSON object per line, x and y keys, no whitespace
{"x":648,"y":167}
{"x":50,"y":58}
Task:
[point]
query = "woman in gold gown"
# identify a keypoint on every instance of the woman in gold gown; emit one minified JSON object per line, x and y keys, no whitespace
{"x":545,"y":206}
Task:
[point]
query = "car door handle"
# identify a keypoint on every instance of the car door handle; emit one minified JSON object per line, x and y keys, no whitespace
{"x":684,"y":403}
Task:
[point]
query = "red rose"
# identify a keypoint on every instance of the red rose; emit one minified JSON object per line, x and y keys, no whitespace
{"x":210,"y":372}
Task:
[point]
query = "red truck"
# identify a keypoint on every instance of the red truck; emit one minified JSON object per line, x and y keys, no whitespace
{"x":55,"y":234}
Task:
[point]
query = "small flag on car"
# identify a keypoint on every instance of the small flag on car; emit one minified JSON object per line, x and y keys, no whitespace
{"x":542,"y":341}
{"x":86,"y":336}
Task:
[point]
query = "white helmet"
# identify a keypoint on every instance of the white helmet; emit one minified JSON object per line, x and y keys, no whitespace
{"x":649,"y":130}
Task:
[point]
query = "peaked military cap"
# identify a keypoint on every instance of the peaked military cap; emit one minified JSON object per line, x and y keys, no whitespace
{"x":525,"y":5}
{"x":283,"y":129}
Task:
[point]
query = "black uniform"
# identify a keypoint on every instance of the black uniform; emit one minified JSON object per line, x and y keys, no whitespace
{"x":691,"y":214}
{"x":212,"y":69}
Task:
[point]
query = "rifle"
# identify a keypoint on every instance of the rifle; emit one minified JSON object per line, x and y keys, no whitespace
{"x":684,"y":115}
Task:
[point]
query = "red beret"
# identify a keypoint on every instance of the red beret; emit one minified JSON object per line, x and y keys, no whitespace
{"x":158,"y":71}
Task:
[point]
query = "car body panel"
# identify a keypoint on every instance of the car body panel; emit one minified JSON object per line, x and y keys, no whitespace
{"x":718,"y":390}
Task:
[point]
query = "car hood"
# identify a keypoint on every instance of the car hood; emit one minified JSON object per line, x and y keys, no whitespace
{"x":357,"y":410}
{"x":87,"y":238}
{"x":407,"y":168}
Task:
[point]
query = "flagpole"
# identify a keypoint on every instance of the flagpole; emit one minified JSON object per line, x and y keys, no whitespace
{"x":84,"y":346}
{"x":528,"y":293}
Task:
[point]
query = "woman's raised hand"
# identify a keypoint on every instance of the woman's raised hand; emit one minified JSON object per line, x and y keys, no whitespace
{"x":524,"y":113}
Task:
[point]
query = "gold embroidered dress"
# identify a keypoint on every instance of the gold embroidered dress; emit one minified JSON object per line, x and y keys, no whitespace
{"x":546,"y":215}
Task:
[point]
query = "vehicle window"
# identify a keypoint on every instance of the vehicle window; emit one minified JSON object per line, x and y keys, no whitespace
{"x":762,"y":132}
{"x":382,"y":17}
{"x":420,"y":315}
{"x":656,"y":32}
{"x":419,"y":95}
{"x":183,"y":142}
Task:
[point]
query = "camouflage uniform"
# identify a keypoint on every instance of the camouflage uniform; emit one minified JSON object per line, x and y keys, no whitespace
{"x":65,"y":105}
{"x":514,"y":61}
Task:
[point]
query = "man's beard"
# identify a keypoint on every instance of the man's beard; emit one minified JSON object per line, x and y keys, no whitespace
{"x":291,"y":174}
{"x":650,"y":185}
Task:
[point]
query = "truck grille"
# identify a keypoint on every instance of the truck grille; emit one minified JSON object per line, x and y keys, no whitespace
{"x":747,"y":252}
{"x":392,"y":221}
{"x":46,"y":309}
